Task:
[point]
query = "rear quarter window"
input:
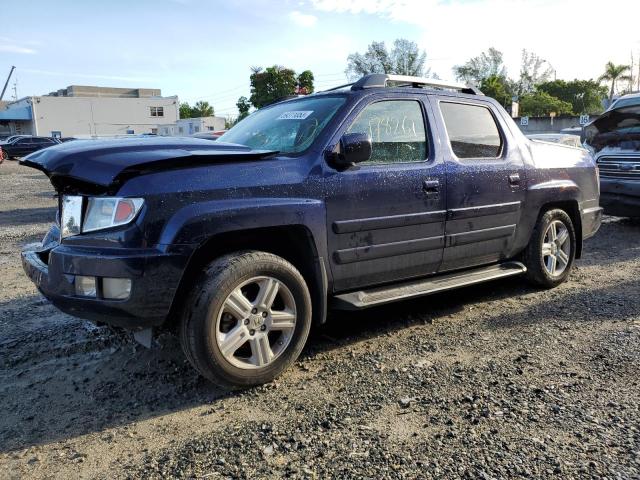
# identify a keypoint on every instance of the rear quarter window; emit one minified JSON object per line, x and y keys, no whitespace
{"x":472,"y":130}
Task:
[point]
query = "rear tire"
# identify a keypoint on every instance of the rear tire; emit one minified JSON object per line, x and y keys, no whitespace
{"x":247,"y":319}
{"x":551,"y":251}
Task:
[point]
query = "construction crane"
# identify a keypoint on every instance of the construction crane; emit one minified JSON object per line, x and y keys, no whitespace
{"x":7,"y":82}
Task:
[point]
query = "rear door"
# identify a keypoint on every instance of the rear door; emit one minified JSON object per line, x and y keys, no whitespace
{"x":485,"y":183}
{"x":386,"y":216}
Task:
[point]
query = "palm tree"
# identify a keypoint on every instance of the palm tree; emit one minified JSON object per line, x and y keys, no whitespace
{"x":613,"y":73}
{"x":202,"y":109}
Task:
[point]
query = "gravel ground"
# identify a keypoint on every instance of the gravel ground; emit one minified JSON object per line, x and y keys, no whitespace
{"x":494,"y":381}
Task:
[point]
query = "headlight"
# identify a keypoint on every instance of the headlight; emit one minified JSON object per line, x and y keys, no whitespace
{"x":71,"y":217}
{"x":107,"y":212}
{"x":100,"y":213}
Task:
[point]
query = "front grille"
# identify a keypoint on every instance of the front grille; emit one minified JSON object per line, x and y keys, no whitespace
{"x":626,"y":168}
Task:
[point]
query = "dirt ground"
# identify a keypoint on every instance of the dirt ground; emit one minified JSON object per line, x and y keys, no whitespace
{"x":494,"y":381}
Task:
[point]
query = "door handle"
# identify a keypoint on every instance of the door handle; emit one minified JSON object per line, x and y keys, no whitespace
{"x":431,"y":188}
{"x":514,"y":179}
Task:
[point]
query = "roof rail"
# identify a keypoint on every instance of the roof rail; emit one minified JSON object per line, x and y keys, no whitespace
{"x":382,"y":80}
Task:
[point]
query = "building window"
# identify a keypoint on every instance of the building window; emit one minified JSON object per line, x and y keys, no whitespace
{"x":210,"y":128}
{"x":130,"y":132}
{"x":157,"y":111}
{"x":180,"y":130}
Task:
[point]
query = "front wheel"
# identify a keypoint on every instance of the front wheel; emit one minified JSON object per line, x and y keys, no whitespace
{"x":551,"y":251}
{"x":247,"y":319}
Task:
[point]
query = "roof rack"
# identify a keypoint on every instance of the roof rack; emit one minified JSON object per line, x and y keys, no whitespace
{"x":378,"y":80}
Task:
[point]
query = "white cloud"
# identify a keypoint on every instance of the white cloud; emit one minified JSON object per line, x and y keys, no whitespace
{"x":303,"y":19}
{"x":10,"y":48}
{"x":577,"y":38}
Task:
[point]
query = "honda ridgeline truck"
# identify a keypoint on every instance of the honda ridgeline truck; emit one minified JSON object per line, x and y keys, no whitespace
{"x":383,"y":190}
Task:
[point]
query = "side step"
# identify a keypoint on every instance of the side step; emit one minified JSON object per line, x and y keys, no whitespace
{"x":419,"y":288}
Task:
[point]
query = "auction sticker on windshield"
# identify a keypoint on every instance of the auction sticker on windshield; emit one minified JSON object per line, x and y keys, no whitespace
{"x":295,"y":115}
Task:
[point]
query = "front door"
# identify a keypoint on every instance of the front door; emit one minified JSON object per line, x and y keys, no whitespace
{"x":485,"y":184}
{"x":386,"y":216}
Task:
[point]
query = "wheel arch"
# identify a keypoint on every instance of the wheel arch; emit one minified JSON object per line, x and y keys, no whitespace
{"x":294,"y":243}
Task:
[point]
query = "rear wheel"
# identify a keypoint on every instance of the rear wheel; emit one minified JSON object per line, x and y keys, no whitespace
{"x":247,"y":319}
{"x":551,"y":251}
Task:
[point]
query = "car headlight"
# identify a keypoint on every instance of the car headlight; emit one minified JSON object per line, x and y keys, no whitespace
{"x":71,"y":217}
{"x":100,"y":213}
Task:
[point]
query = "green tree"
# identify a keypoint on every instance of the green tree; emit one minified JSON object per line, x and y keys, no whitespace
{"x":185,"y":110}
{"x":476,"y":69}
{"x":375,"y":60}
{"x":585,"y":96}
{"x":202,"y":109}
{"x":243,"y":108}
{"x":271,"y":85}
{"x":305,"y":82}
{"x":614,"y":73}
{"x":540,"y":104}
{"x":408,"y":59}
{"x":405,"y":58}
{"x":534,"y":70}
{"x":498,"y":87}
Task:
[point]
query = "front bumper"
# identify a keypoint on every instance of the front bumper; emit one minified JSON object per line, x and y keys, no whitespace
{"x":620,"y":198}
{"x":155,"y":275}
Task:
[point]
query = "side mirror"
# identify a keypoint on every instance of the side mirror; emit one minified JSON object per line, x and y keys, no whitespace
{"x":354,"y":148}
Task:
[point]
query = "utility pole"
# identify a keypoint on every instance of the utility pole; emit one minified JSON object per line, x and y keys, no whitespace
{"x":638,"y":75}
{"x":7,"y":82}
{"x":631,"y":72}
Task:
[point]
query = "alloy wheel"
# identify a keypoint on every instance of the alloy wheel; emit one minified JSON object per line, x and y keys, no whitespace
{"x":256,"y":323}
{"x":556,"y":248}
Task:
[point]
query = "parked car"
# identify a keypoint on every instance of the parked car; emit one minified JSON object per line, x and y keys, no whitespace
{"x":614,"y":139}
{"x":21,"y":146}
{"x":560,"y":138}
{"x":209,"y":135}
{"x":628,"y":100}
{"x":384,"y":190}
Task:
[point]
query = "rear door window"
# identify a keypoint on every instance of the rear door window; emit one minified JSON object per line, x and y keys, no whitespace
{"x":472,"y":130}
{"x":397,"y":131}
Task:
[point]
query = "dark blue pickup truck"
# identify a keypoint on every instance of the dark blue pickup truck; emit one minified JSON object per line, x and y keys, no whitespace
{"x":383,"y":190}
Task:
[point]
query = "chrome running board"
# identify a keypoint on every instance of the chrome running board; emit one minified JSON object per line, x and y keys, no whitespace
{"x":418,"y":288}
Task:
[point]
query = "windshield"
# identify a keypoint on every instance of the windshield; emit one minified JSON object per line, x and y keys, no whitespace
{"x":289,"y":127}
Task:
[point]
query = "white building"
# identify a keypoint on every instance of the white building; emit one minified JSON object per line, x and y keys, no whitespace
{"x":188,"y":126}
{"x":90,"y":111}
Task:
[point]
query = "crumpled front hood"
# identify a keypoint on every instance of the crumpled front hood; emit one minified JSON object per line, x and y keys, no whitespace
{"x":100,"y":165}
{"x":618,"y":128}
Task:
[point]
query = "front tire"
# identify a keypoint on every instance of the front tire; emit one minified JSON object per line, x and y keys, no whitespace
{"x":552,"y":249}
{"x":247,"y":319}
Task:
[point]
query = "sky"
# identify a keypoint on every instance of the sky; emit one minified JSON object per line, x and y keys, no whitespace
{"x":203,"y":49}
